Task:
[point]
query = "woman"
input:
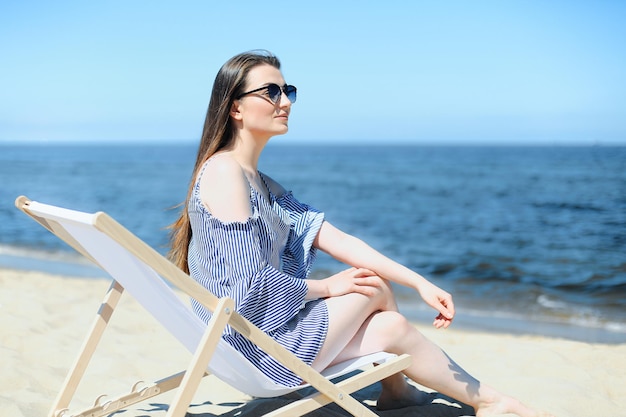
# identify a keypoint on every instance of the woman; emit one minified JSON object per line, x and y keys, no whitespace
{"x":242,"y":235}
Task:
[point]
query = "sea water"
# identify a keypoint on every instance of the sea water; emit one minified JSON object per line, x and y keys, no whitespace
{"x":527,"y":239}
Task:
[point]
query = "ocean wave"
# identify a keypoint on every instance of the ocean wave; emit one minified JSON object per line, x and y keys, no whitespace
{"x":560,"y":322}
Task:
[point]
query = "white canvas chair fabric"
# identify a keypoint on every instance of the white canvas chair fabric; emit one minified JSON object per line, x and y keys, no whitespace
{"x":140,"y":270}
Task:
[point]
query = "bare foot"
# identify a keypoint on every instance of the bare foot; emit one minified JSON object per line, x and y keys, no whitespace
{"x":410,"y":396}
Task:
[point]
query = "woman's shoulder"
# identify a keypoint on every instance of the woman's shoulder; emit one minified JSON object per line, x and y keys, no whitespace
{"x":224,"y":189}
{"x":222,"y":166}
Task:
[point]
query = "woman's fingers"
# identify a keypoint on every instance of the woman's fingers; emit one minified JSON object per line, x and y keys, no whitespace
{"x":362,"y":272}
{"x":373,"y":281}
{"x":447,"y":305}
{"x":441,"y":321}
{"x":359,"y":280}
{"x":354,"y":280}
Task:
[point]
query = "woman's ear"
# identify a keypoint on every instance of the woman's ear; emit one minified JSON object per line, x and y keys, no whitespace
{"x":234,"y":110}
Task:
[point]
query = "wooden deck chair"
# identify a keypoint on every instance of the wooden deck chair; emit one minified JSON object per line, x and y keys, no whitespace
{"x":145,"y":274}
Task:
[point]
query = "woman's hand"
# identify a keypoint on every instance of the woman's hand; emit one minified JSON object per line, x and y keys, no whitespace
{"x":358,"y":280}
{"x":352,"y":280}
{"x":440,"y":300}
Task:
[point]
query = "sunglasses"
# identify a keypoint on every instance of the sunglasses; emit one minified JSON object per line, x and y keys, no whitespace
{"x":274,"y":92}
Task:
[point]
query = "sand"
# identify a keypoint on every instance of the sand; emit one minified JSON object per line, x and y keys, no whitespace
{"x":44,"y":318}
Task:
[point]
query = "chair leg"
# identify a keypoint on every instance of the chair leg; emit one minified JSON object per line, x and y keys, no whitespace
{"x":201,"y":358}
{"x":94,"y":335}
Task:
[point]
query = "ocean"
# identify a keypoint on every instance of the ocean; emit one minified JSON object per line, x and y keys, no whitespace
{"x":527,"y":239}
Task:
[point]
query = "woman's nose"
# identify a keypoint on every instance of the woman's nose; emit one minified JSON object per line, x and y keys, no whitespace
{"x":284,"y":100}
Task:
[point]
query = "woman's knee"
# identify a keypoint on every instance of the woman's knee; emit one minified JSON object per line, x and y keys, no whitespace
{"x":384,"y":296}
{"x":393,"y":329}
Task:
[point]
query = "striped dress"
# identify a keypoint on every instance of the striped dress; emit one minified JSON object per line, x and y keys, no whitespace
{"x":261,"y":264}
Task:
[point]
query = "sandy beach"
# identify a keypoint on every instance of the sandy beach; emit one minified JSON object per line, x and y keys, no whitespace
{"x":44,"y":319}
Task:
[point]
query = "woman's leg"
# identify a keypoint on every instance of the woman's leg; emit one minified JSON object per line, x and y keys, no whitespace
{"x":359,"y":325}
{"x":345,"y":322}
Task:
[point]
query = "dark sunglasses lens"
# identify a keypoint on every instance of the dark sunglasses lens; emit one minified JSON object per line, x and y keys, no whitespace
{"x":274,"y":92}
{"x":290,"y":91}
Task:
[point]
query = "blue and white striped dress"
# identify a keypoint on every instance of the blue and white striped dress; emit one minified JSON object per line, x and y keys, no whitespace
{"x":262,"y":263}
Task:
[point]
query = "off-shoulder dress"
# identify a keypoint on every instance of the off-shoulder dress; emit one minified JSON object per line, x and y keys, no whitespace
{"x":262,"y":263}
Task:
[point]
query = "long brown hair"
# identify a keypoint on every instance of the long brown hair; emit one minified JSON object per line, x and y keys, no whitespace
{"x":218,"y":134}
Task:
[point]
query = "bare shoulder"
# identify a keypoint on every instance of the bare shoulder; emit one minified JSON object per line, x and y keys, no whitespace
{"x":224,"y":189}
{"x":222,"y":164}
{"x":275,"y":188}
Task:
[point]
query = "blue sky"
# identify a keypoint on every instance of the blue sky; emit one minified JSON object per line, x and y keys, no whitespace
{"x":422,"y":72}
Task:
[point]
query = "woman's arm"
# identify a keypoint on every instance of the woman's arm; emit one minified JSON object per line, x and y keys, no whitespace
{"x":355,"y":252}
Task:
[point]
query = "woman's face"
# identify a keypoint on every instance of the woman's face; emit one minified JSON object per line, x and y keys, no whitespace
{"x":256,"y":112}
